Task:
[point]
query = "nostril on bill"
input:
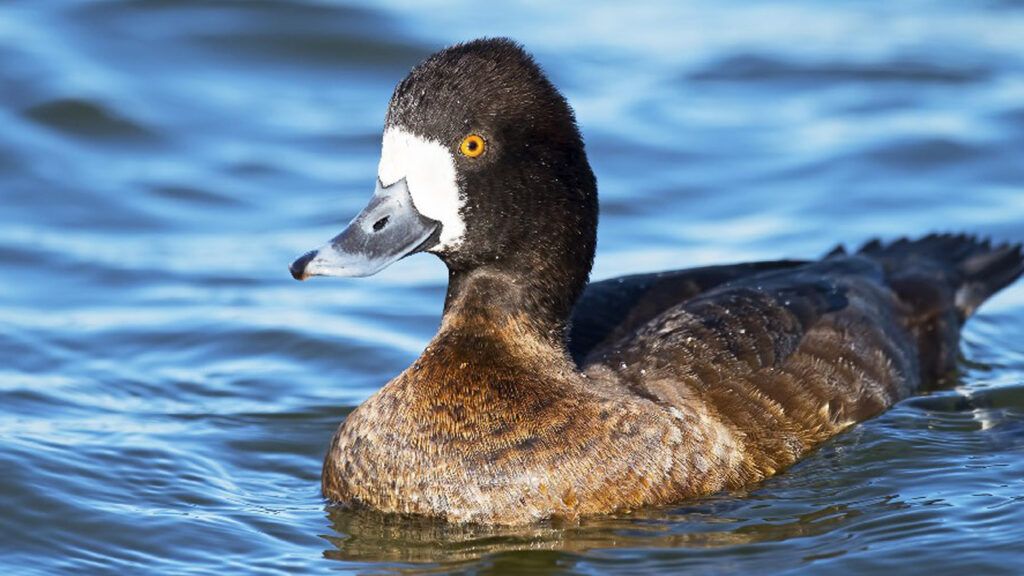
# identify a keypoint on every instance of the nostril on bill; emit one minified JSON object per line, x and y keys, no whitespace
{"x":380,"y":224}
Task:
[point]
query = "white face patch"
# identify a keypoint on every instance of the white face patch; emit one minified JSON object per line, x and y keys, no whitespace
{"x":429,"y":171}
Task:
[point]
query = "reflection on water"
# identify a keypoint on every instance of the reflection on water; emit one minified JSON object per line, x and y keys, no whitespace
{"x":368,"y":536}
{"x":167,"y":391}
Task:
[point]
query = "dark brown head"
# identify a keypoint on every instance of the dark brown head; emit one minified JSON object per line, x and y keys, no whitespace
{"x":483,"y":165}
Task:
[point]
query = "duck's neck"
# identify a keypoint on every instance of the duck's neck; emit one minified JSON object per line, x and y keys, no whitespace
{"x":531,"y":300}
{"x":499,"y":357}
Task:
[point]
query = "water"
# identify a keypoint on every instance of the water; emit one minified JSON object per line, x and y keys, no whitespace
{"x":167,"y":391}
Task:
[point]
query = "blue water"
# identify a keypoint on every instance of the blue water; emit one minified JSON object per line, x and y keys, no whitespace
{"x":167,"y":391}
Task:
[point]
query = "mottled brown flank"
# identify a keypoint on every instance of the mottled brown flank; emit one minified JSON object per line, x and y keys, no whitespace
{"x":495,"y":424}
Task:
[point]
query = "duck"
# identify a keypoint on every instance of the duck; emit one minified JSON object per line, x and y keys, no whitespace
{"x":544,"y":396}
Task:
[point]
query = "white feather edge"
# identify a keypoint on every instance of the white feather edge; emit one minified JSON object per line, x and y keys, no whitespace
{"x":429,"y":171}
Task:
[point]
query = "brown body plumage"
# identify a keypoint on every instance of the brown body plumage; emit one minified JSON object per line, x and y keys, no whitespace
{"x":723,"y":386}
{"x":542,"y":396}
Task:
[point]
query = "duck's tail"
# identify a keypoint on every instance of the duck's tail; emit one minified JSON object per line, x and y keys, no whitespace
{"x":942,"y":279}
{"x":966,"y":269}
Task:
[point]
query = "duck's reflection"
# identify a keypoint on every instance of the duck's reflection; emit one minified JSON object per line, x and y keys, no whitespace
{"x":367,"y":536}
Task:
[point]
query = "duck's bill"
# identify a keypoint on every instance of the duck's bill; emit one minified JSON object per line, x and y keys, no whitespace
{"x":387,"y":230}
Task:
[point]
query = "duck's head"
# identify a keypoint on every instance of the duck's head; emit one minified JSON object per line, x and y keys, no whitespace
{"x":482,"y":164}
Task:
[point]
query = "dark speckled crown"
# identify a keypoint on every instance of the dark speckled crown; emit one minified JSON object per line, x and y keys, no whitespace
{"x":481,"y":82}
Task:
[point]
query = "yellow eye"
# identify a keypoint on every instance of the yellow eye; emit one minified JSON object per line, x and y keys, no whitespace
{"x":472,"y":146}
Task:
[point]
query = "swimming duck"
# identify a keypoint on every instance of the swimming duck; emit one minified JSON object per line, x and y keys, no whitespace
{"x":543,"y":396}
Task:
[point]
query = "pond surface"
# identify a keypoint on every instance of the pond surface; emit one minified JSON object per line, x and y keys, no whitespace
{"x":167,"y":391}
